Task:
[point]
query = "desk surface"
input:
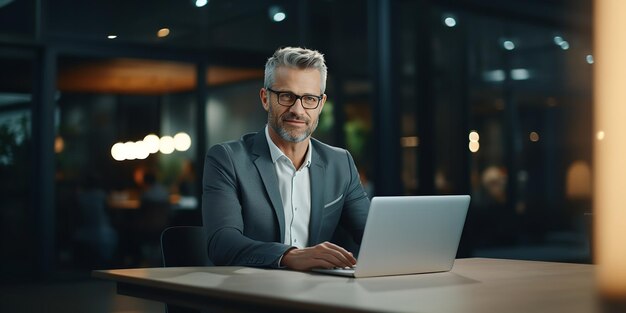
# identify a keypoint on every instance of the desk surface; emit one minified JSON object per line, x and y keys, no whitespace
{"x":474,"y":285}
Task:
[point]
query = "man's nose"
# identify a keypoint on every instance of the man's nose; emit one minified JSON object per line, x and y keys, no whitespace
{"x":297,"y":107}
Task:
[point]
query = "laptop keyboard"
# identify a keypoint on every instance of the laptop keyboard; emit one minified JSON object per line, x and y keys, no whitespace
{"x":347,"y":270}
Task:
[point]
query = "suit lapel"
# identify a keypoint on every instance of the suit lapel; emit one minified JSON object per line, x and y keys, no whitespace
{"x":316,"y":173}
{"x":264,"y":165}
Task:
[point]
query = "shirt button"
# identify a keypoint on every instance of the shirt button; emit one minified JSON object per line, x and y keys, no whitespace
{"x":295,"y":240}
{"x":296,"y":209}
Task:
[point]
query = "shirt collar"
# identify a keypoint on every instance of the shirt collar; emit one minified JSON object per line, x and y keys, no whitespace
{"x":276,"y":153}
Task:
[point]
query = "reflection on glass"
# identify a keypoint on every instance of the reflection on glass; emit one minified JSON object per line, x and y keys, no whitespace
{"x":163,"y":32}
{"x":409,"y":142}
{"x":474,"y":136}
{"x":508,"y":45}
{"x":449,"y":21}
{"x":474,"y":146}
{"x":520,"y":74}
{"x":578,"y":180}
{"x":111,"y":110}
{"x":59,"y":144}
{"x":534,"y":136}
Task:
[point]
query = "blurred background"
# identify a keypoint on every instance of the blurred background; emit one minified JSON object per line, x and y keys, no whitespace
{"x":107,"y":109}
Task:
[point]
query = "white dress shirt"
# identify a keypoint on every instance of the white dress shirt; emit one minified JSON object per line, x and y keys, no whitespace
{"x":295,"y":191}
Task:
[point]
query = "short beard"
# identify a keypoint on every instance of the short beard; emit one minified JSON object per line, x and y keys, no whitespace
{"x":285,"y":135}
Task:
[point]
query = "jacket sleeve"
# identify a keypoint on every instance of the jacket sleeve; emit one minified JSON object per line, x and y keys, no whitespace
{"x":222,"y":217}
{"x":356,"y":205}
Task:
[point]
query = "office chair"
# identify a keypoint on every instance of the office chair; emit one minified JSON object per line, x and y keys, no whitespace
{"x":148,"y":224}
{"x":184,"y":246}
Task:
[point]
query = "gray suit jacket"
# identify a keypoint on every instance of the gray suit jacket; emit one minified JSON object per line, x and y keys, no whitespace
{"x":242,"y":210}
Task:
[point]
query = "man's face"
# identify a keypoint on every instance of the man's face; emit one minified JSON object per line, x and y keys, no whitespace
{"x":293,"y":124}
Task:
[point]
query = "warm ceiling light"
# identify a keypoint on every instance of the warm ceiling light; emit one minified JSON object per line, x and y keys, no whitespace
{"x":130,"y":150}
{"x":474,"y":146}
{"x":534,"y":136}
{"x":163,"y":32}
{"x":152,"y":143}
{"x":117,"y":152}
{"x":182,"y":142}
{"x":112,"y":36}
{"x":166,"y":145}
{"x":474,"y":136}
{"x":141,"y":150}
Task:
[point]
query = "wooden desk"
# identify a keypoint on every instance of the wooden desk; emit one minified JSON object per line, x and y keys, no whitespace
{"x":474,"y":285}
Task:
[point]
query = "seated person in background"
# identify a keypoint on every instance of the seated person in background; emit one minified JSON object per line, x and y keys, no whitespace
{"x":274,"y":198}
{"x":95,"y":238}
{"x":155,"y":207}
{"x":153,"y":192}
{"x":152,"y":218}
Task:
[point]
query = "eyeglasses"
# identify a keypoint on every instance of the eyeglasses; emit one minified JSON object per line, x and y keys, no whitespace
{"x":288,"y":99}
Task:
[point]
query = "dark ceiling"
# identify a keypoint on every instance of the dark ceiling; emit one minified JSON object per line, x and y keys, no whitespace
{"x":222,"y":24}
{"x":244,"y":29}
{"x":240,"y":24}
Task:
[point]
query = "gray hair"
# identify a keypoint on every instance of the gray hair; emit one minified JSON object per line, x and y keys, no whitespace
{"x":294,"y":57}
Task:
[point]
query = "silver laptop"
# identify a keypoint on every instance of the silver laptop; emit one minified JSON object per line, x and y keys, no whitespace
{"x":409,"y":235}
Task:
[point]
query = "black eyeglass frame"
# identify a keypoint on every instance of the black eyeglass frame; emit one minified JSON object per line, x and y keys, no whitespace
{"x":278,"y":93}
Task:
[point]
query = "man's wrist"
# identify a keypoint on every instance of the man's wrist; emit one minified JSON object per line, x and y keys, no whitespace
{"x":280,"y":260}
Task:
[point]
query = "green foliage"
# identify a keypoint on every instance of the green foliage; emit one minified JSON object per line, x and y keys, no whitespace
{"x":327,"y":119}
{"x":357,"y":136}
{"x":15,"y":142}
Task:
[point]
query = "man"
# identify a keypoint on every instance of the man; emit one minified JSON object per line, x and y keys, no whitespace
{"x":275,"y":198}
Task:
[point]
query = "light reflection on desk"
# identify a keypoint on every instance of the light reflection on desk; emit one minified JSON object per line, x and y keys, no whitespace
{"x":129,"y":200}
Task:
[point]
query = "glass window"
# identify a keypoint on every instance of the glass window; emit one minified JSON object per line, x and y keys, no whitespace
{"x":16,"y":212}
{"x":233,"y":110}
{"x":509,"y":121}
{"x":126,"y":160}
{"x":17,"y":19}
{"x":524,"y":104}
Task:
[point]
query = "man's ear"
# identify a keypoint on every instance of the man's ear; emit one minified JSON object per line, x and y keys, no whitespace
{"x":263,"y":96}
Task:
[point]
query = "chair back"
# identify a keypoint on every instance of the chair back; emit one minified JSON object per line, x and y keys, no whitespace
{"x":184,"y":246}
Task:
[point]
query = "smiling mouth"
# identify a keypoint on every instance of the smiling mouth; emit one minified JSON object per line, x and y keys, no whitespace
{"x":295,"y":121}
{"x":298,"y":122}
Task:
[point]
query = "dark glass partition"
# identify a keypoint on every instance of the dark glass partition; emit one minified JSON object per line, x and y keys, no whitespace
{"x":127,"y":165}
{"x":497,"y":104}
{"x":17,"y":238}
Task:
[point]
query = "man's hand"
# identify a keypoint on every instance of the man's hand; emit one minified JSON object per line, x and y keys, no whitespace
{"x":323,"y":255}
